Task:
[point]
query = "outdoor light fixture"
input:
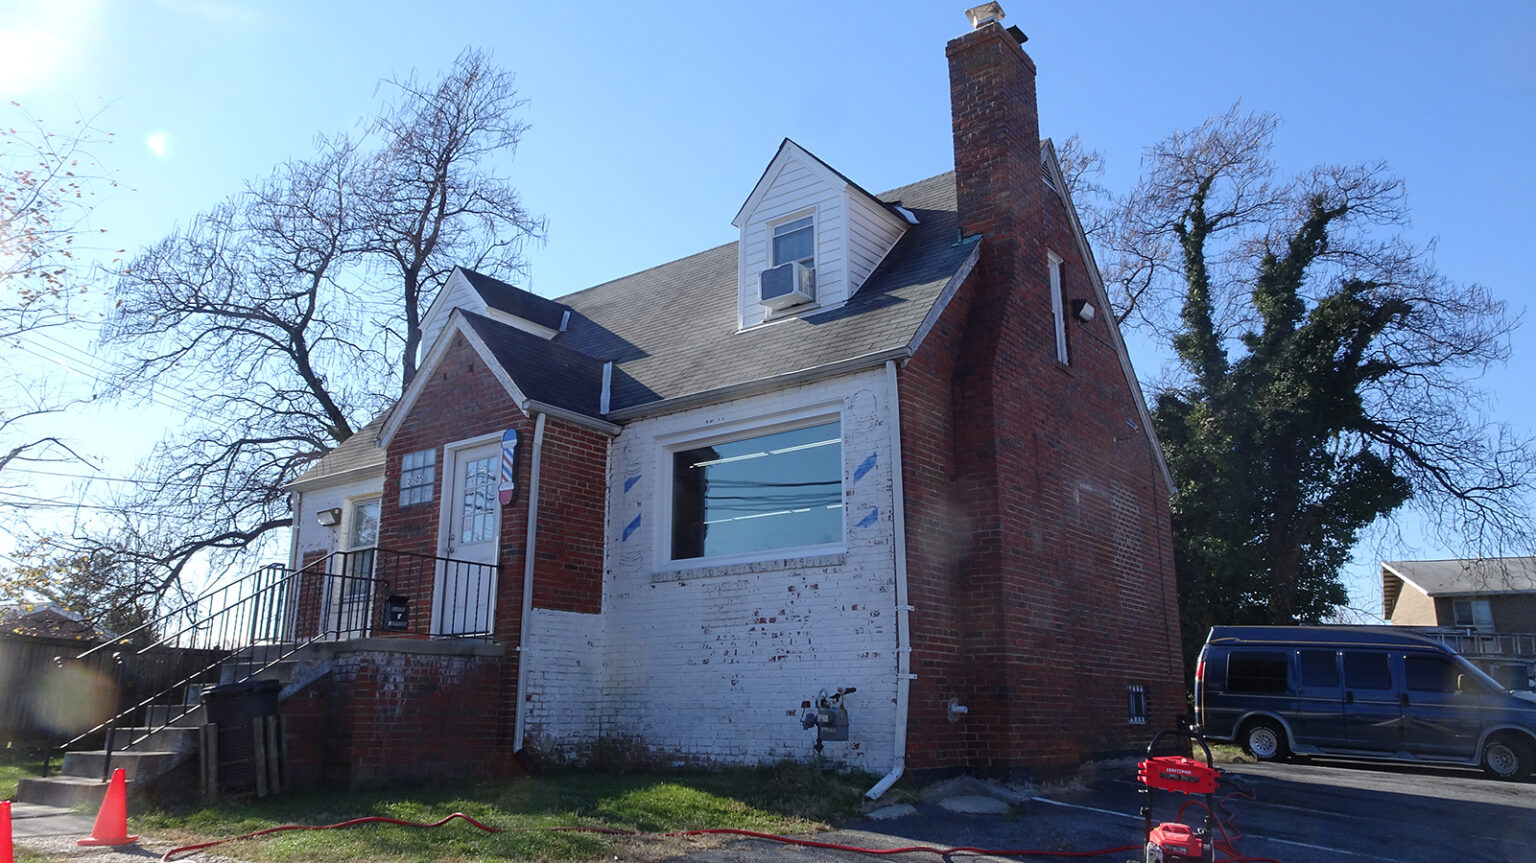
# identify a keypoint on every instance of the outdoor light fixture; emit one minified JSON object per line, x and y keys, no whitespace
{"x":1083,"y":310}
{"x":329,"y":517}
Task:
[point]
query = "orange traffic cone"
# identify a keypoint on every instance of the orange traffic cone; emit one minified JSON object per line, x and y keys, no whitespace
{"x":112,"y":821}
{"x":7,"y":852}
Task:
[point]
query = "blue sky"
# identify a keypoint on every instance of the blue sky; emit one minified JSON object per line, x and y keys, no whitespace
{"x":650,"y":122}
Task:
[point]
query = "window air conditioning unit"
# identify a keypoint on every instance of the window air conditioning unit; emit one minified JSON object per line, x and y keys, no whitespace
{"x":786,"y":285}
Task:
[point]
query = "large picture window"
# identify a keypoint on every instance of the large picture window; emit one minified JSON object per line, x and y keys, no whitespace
{"x":779,"y":490}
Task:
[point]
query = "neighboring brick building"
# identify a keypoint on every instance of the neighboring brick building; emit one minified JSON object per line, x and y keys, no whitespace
{"x":886,"y":442}
{"x":1485,"y":608}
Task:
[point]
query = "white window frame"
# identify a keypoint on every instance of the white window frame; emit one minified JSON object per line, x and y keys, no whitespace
{"x":1058,"y":307}
{"x":667,"y":446}
{"x":431,"y":483}
{"x":773,"y":234}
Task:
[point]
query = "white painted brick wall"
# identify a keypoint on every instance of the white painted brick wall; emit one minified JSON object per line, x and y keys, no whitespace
{"x":713,"y":663}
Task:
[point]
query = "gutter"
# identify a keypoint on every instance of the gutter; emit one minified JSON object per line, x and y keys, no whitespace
{"x":523,"y":637}
{"x":904,"y":673}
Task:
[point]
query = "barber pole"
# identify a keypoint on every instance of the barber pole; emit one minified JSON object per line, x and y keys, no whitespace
{"x":507,"y":492}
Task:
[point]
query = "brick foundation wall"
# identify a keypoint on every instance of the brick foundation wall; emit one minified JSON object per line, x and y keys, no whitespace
{"x":388,"y":716}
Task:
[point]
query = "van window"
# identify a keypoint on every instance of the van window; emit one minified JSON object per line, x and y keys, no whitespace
{"x":1256,"y":671}
{"x":1366,"y":670}
{"x":1320,"y":669}
{"x":1430,"y":674}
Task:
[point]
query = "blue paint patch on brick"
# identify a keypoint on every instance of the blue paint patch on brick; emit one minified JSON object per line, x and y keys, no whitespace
{"x":630,"y":529}
{"x":630,"y":483}
{"x":866,"y":521}
{"x":864,"y":467}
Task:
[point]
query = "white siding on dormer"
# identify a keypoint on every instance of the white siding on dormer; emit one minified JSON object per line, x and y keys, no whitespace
{"x":872,"y":231}
{"x":457,"y":294}
{"x":853,"y":231}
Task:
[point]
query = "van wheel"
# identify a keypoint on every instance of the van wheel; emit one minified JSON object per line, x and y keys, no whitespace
{"x":1507,"y":758}
{"x":1265,"y":740}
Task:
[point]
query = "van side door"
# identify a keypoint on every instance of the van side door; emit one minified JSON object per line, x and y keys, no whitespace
{"x":1439,"y":720}
{"x":1317,"y":717}
{"x":1372,"y":709}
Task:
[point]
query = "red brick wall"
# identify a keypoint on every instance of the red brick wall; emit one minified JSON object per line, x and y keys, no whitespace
{"x":463,"y":400}
{"x":568,"y":572}
{"x":933,"y":525}
{"x":395,"y":717}
{"x":1050,"y":533}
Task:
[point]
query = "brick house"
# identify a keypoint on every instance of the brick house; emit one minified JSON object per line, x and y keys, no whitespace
{"x":882,"y":442}
{"x":1485,"y":608}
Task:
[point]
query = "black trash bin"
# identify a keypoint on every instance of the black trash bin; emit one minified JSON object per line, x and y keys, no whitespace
{"x":234,"y":709}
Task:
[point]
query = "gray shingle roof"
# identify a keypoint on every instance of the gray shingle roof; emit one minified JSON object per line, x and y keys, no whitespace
{"x":545,"y":371}
{"x":357,"y":455}
{"x":1464,"y":577}
{"x":671,"y":331}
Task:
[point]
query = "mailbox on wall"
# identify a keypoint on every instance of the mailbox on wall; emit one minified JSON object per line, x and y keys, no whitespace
{"x":397,"y":613}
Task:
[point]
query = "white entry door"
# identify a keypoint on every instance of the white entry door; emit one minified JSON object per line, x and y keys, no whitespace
{"x":464,"y":599}
{"x":349,"y":594}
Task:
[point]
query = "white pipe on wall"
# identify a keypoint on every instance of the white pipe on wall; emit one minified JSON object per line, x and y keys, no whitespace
{"x":525,"y":624}
{"x":903,"y":609}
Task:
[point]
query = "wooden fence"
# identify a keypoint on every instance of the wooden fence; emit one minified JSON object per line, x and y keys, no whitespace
{"x":43,"y":701}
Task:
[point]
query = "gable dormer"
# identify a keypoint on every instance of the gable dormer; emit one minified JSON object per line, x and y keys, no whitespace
{"x":809,"y":238}
{"x":494,"y":299}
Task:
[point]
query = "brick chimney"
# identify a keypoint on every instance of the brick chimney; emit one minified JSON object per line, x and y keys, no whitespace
{"x":996,"y":125}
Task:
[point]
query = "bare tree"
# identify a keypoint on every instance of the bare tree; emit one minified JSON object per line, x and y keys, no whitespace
{"x":432,"y":198}
{"x":291,"y":312}
{"x":48,"y":183}
{"x":1325,"y":372}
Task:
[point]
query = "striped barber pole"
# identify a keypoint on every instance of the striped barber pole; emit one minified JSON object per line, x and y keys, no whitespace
{"x":507,"y":492}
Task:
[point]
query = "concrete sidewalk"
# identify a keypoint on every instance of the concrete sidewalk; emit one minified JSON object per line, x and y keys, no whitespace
{"x":55,"y":832}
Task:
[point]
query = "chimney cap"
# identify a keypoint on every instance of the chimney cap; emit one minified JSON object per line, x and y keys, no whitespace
{"x":985,"y":14}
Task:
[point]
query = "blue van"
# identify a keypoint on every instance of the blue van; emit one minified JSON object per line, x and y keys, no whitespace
{"x":1359,"y":692}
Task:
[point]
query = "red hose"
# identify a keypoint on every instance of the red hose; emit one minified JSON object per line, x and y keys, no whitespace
{"x":717,"y":831}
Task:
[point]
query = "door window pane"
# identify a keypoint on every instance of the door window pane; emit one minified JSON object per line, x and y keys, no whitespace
{"x":477,"y":510}
{"x":1366,"y":670}
{"x":1319,"y":669}
{"x":1430,"y":674}
{"x":782,"y":490}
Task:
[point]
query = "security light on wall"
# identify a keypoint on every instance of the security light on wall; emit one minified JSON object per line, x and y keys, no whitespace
{"x":1083,"y":310}
{"x":329,"y":517}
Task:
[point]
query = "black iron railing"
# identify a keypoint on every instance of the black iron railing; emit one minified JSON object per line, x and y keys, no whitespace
{"x":242,"y":629}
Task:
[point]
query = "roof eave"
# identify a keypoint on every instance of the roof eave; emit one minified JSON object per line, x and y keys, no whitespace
{"x":731,"y":392}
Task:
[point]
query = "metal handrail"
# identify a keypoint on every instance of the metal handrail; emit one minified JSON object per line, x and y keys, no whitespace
{"x":341,"y":596}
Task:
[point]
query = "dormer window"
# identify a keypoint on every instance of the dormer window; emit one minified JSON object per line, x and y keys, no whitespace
{"x":795,"y":241}
{"x":809,"y":239}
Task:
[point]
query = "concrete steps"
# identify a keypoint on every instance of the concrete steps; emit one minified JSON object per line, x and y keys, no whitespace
{"x":173,"y":741}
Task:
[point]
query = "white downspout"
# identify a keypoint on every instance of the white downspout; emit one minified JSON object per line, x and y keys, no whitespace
{"x":903,"y":610}
{"x":525,"y":625}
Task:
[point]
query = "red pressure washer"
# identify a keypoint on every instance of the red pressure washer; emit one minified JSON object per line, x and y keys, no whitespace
{"x":1174,"y":841}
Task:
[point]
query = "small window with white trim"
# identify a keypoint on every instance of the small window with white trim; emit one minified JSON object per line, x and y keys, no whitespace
{"x":795,"y":241}
{"x":416,"y":476}
{"x":1058,"y":307}
{"x":744,"y":496}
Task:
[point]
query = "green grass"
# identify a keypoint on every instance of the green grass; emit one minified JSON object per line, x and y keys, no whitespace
{"x":16,"y":763}
{"x":790,"y":798}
